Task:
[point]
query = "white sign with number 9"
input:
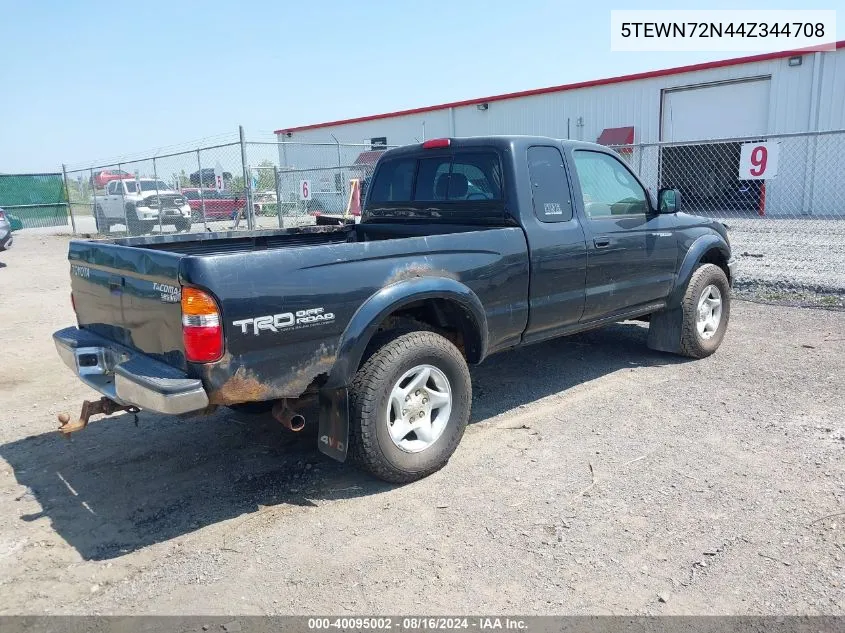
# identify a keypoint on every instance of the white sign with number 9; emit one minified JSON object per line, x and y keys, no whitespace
{"x":758,"y":161}
{"x":304,"y":189}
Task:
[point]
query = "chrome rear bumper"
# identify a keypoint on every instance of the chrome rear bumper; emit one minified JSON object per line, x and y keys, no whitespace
{"x":127,"y":376}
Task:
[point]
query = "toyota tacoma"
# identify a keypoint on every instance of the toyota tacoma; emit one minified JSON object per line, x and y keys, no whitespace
{"x":466,"y":247}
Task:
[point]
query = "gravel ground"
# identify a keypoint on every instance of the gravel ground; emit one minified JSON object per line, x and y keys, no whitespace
{"x":790,"y":261}
{"x":597,"y":477}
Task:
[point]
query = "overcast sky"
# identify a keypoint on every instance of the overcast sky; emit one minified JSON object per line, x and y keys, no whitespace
{"x":86,"y":81}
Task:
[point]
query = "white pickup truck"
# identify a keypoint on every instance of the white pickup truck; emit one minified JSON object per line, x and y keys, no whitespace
{"x":140,"y":204}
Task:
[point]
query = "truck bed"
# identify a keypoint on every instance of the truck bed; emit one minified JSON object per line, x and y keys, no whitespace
{"x":128,"y":291}
{"x":221,"y":243}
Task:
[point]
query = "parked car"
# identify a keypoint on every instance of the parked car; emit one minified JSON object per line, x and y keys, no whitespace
{"x":219,"y":205}
{"x":377,"y":322}
{"x":6,"y":237}
{"x":140,"y":205}
{"x":103,"y":177}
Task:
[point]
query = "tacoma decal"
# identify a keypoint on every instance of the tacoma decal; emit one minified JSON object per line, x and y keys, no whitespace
{"x":80,"y":271}
{"x":169,"y":294}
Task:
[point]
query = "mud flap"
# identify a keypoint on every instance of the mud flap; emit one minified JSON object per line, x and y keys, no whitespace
{"x":334,"y":423}
{"x":664,"y":330}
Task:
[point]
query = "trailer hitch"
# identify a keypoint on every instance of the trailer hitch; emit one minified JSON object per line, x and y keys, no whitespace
{"x":104,"y":405}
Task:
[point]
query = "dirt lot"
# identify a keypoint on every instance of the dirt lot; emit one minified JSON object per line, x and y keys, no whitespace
{"x":597,"y":477}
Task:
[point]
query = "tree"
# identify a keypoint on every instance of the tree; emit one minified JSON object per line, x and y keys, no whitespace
{"x":266,"y":176}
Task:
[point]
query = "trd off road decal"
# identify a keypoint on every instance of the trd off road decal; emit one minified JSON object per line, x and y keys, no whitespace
{"x":284,"y":321}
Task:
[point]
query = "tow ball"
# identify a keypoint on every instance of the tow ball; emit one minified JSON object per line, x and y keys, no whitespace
{"x":104,"y":405}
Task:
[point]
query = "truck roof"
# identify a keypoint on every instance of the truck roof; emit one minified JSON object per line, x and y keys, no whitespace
{"x":512,"y":141}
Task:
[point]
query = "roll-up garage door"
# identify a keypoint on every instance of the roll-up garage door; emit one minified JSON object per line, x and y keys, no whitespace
{"x":721,"y":110}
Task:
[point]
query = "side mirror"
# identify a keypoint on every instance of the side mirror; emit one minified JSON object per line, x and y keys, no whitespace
{"x":668,"y":201}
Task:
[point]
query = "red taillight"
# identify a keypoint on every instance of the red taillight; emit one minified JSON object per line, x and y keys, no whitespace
{"x":203,"y":344}
{"x":202,"y":333}
{"x":437,"y":142}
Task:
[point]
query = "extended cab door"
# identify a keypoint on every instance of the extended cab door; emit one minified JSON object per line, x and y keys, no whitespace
{"x":556,"y":245}
{"x":632,"y":251}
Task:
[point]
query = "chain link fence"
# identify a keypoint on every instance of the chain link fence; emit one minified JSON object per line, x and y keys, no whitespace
{"x":234,"y":186}
{"x":784,"y":203}
{"x":323,"y":181}
{"x":781,"y":197}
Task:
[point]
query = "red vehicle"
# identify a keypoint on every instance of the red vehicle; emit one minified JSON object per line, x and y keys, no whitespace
{"x":103,"y":177}
{"x":219,"y":205}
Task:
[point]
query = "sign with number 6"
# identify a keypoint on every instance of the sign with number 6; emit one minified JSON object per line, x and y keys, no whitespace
{"x":304,"y":189}
{"x":758,"y":161}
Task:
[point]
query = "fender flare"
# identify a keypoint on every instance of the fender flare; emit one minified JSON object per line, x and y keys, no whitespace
{"x":364,"y":323}
{"x":696,"y":251}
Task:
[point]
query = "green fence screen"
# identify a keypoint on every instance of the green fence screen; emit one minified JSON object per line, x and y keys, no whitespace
{"x":36,"y":199}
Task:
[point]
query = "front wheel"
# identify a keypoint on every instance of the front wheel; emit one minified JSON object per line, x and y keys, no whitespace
{"x":410,"y":403}
{"x":706,"y":309}
{"x":183,"y":225}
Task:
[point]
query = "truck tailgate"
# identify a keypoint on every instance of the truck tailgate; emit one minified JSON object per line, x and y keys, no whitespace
{"x":129,"y":295}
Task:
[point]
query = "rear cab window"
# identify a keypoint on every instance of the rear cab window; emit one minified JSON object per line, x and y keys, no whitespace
{"x":470,"y":175}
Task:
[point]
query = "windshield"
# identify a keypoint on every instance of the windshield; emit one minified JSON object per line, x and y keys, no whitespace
{"x":152,"y":185}
{"x":146,"y":185}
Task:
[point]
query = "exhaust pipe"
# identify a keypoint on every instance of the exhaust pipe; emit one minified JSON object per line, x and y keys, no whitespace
{"x":289,"y":418}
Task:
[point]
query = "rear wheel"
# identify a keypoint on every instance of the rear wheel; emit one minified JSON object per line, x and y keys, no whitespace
{"x":706,"y":310}
{"x":410,"y":403}
{"x":134,"y":225}
{"x":100,"y":220}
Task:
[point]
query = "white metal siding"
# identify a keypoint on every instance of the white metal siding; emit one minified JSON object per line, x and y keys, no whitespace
{"x":634,"y":103}
{"x":791,"y":108}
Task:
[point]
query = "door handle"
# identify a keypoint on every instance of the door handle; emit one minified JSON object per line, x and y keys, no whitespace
{"x":116,"y":284}
{"x":601,"y":242}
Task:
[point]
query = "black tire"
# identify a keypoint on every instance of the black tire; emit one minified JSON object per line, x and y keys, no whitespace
{"x":393,"y":354}
{"x":694,"y":344}
{"x":100,"y":220}
{"x":183,"y":225}
{"x":134,"y":225}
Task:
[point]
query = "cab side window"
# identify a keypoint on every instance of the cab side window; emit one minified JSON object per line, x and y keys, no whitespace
{"x":549,"y":186}
{"x":608,"y":188}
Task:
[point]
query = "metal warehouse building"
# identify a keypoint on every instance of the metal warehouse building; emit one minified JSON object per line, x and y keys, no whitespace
{"x":670,"y":117}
